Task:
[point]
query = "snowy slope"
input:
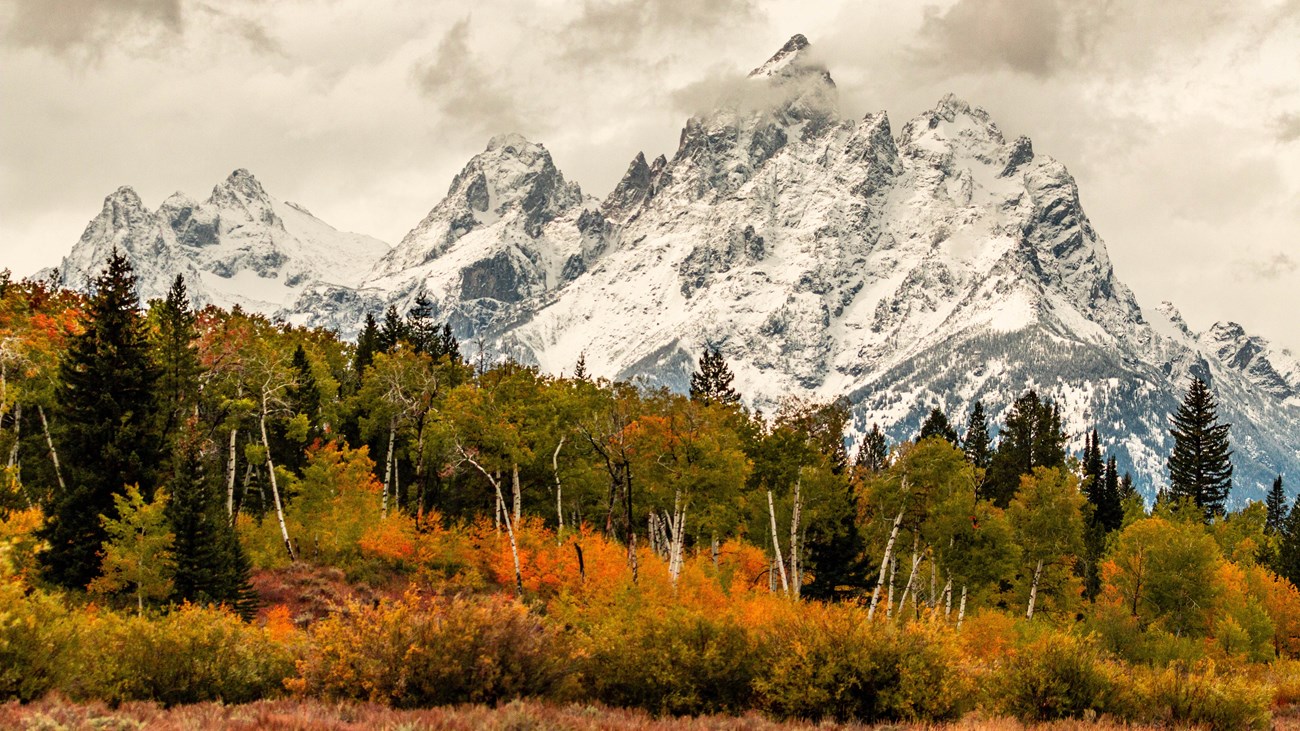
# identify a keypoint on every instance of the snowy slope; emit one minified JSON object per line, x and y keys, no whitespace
{"x":239,"y":247}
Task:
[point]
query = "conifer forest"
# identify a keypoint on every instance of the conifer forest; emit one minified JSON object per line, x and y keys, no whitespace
{"x":209,"y":507}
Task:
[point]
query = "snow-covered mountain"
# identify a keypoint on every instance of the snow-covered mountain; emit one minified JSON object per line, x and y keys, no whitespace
{"x":239,"y":247}
{"x":935,"y":265}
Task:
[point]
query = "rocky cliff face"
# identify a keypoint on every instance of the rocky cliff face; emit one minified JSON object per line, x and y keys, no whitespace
{"x":933,"y":265}
{"x":239,"y":247}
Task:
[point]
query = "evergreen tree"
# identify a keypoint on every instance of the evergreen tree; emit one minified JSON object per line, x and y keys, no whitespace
{"x":108,"y":418}
{"x":210,"y":566}
{"x":1032,"y":438}
{"x":367,"y":346}
{"x":1200,"y":467}
{"x":580,"y":370}
{"x":978,"y":445}
{"x":448,"y":346}
{"x":420,"y":327}
{"x":1094,"y":469}
{"x":711,"y":384}
{"x":1126,"y":488}
{"x":936,"y":425}
{"x":392,"y":332}
{"x":836,"y":554}
{"x":1276,"y":503}
{"x":873,"y":452}
{"x":304,"y":395}
{"x":178,"y":364}
{"x":1288,"y":550}
{"x":1110,"y":503}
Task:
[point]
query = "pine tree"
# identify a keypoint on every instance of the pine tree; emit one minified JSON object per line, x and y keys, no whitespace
{"x":1288,"y":551}
{"x":420,"y":327}
{"x":392,"y":332}
{"x":873,"y":452}
{"x":1110,"y":504}
{"x":448,"y":346}
{"x":711,"y":384}
{"x":978,"y":445}
{"x":580,"y":370}
{"x":1094,"y":469}
{"x":178,"y":364}
{"x":1032,"y":438}
{"x":1276,"y":503}
{"x":936,"y":425}
{"x":367,"y":346}
{"x":1200,"y":467}
{"x":209,"y":563}
{"x":108,"y":426}
{"x":836,"y":555}
{"x":304,"y":395}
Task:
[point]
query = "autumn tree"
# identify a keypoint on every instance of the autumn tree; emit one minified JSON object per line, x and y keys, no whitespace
{"x":138,"y":553}
{"x":1048,"y":521}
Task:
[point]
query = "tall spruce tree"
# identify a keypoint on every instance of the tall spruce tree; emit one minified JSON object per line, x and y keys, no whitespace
{"x":210,"y":563}
{"x":711,"y":384}
{"x":178,"y":366}
{"x":420,"y":327}
{"x":936,"y":425}
{"x":977,"y":445}
{"x":873,"y":451}
{"x":1094,"y":468}
{"x":1031,"y":438}
{"x":1277,"y":504}
{"x":1110,"y":499}
{"x":367,"y":346}
{"x":1288,"y":550}
{"x":107,"y":426}
{"x":393,"y":331}
{"x":1200,"y":467}
{"x":447,"y":346}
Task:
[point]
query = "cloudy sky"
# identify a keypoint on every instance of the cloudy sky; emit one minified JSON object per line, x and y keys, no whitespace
{"x":1181,"y":121}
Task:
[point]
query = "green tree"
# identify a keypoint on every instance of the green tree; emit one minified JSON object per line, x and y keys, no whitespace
{"x":1162,"y":572}
{"x":1048,"y":521}
{"x":106,"y":403}
{"x":936,"y":425}
{"x":138,"y":554}
{"x":367,"y":346}
{"x":1200,"y":466}
{"x":393,"y":331}
{"x":712,"y":382}
{"x":873,"y":451}
{"x":1288,"y":550}
{"x":210,"y":566}
{"x":177,"y":358}
{"x":977,"y":445}
{"x":1031,"y":438}
{"x":1277,"y":505}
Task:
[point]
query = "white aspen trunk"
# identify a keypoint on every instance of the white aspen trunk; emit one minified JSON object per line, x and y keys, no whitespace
{"x":884,"y":562}
{"x":678,"y":539}
{"x":510,"y":528}
{"x":275,"y":488}
{"x":796,"y":578}
{"x":1033,"y":589}
{"x":947,"y":599}
{"x":910,"y":587}
{"x":933,"y":599}
{"x":18,"y":434}
{"x":388,"y":466}
{"x":559,"y":491}
{"x":961,"y":610}
{"x":518,"y":496}
{"x":889,"y":599}
{"x":776,"y":544}
{"x":230,"y":476}
{"x":49,"y":442}
{"x":714,"y":546}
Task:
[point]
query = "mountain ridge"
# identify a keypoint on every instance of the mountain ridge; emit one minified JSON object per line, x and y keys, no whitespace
{"x":825,"y":257}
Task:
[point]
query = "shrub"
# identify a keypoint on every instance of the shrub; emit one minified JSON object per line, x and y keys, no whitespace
{"x":831,"y":663}
{"x":1057,"y":675}
{"x":189,"y":655}
{"x":1200,"y":696}
{"x":36,"y":637}
{"x":418,"y":652}
{"x":669,"y":660}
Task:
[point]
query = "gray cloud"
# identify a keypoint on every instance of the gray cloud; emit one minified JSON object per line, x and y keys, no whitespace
{"x":463,"y":87}
{"x":1023,"y":35}
{"x":87,"y":26}
{"x":623,"y":30}
{"x":1288,"y":127}
{"x":1269,"y":268}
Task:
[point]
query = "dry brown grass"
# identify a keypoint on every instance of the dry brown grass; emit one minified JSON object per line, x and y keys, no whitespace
{"x":55,"y":713}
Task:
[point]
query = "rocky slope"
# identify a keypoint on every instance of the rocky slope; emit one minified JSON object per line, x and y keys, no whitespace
{"x":933,"y":265}
{"x":239,"y":247}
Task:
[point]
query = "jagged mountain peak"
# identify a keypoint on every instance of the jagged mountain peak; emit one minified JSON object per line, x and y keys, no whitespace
{"x":792,"y":58}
